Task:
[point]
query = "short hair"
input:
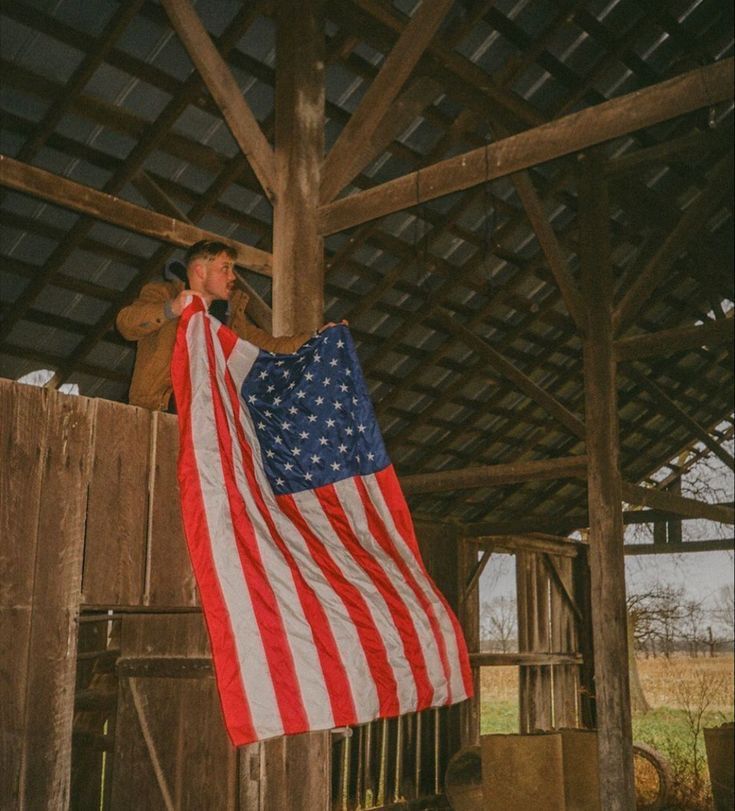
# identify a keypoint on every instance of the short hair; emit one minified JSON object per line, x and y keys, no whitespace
{"x":208,"y":249}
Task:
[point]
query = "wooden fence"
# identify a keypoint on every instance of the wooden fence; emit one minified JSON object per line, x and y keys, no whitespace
{"x":106,"y":689}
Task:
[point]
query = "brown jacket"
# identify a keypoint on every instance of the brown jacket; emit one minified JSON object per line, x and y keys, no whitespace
{"x":146,"y":321}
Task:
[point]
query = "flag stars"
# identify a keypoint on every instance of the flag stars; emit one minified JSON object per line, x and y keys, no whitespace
{"x":263,"y":375}
{"x":277,"y":401}
{"x":312,"y":418}
{"x":278,"y":440}
{"x":331,"y":423}
{"x":295,"y":451}
{"x":327,"y":381}
{"x":293,"y":410}
{"x":319,"y":400}
{"x":335,"y":466}
{"x":252,"y":398}
{"x":361,"y":428}
{"x":304,"y":435}
{"x":343,"y":448}
{"x":288,"y":466}
{"x":340,"y":344}
{"x":315,"y":459}
{"x":280,"y":482}
{"x":337,"y":405}
{"x":300,"y":394}
{"x":323,"y":441}
{"x":309,"y":376}
{"x":343,"y":387}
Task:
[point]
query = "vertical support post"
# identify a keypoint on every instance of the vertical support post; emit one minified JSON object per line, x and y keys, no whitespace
{"x":469,"y":618}
{"x":607,"y":570}
{"x":298,"y":250}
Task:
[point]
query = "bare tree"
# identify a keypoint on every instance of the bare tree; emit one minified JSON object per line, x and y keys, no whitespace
{"x":499,"y":622}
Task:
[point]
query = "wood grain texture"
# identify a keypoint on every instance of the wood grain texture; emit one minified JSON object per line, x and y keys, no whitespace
{"x":298,"y":250}
{"x":115,"y":549}
{"x":193,"y":758}
{"x":50,"y":678}
{"x":169,"y":574}
{"x":604,"y":496}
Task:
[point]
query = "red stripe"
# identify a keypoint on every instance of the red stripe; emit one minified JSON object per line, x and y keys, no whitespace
{"x":333,"y":669}
{"x":359,"y":613}
{"x":235,"y":708}
{"x":265,"y":606}
{"x":401,"y":616}
{"x":393,"y":496}
{"x":380,"y":532}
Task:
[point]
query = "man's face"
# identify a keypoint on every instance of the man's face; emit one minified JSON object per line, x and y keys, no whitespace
{"x":217,"y":276}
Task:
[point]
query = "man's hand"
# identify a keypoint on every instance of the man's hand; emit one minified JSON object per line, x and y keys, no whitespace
{"x":343,"y":322}
{"x":180,"y":302}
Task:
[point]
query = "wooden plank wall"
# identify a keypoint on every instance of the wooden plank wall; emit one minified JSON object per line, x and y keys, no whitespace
{"x":89,"y":520}
{"x":548,"y":694}
{"x":47,"y":442}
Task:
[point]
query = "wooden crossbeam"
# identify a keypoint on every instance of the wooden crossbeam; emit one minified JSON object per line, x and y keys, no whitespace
{"x":714,"y":545}
{"x":678,"y":505}
{"x":666,"y":405}
{"x":352,"y":151}
{"x":668,"y":341}
{"x":526,"y":658}
{"x":611,"y":119}
{"x":691,"y":222}
{"x":224,"y":89}
{"x":106,"y":207}
{"x":495,"y":475}
{"x":556,"y":256}
{"x":513,"y":374}
{"x":539,"y":542}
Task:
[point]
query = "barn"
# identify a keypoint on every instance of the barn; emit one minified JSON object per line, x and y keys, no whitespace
{"x":523,"y":209}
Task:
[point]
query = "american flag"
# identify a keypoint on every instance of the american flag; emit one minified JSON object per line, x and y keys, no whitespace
{"x":319,"y":608}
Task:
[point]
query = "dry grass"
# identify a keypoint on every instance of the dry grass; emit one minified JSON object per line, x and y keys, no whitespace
{"x":666,"y":682}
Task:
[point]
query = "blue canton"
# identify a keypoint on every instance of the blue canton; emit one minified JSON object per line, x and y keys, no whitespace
{"x":312,"y":414}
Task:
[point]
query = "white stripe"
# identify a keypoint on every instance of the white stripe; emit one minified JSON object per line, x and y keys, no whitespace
{"x":351,"y":501}
{"x":298,"y":632}
{"x":425,"y":584}
{"x":313,"y":512}
{"x":254,"y":672}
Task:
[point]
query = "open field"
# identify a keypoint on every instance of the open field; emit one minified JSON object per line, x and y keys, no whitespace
{"x":685,"y":696}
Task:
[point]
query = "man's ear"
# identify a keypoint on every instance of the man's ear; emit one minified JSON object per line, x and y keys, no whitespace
{"x":195,"y":271}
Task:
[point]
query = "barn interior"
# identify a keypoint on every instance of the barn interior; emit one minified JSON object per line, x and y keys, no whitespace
{"x":523,"y":209}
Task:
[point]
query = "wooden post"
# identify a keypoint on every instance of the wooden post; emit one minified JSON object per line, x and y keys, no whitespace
{"x":295,"y":772}
{"x":617,"y":788}
{"x":298,"y":261}
{"x":469,"y":617}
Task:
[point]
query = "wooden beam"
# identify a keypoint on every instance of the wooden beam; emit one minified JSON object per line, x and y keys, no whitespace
{"x":353,"y":149}
{"x":607,"y":568}
{"x":691,"y":222}
{"x":530,"y":659}
{"x":513,"y":374}
{"x":106,"y":207}
{"x":553,"y":568}
{"x":668,"y":341}
{"x":678,"y":505}
{"x":540,"y":543}
{"x":715,"y":545}
{"x":225,"y":91}
{"x":611,"y":119}
{"x":298,"y":249}
{"x":556,"y":257}
{"x":663,"y":403}
{"x":495,"y":475}
{"x":696,"y":142}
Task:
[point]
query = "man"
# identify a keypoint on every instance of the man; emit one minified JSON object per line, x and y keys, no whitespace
{"x":151,"y":320}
